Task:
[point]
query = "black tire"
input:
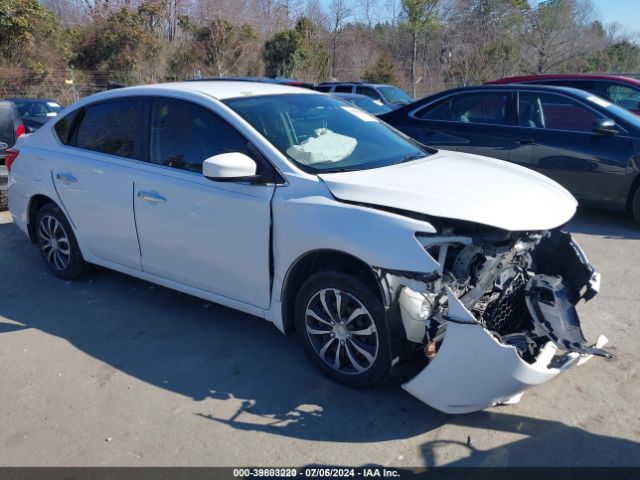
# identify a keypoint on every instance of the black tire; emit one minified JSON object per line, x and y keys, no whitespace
{"x":345,"y":345}
{"x":635,"y":205}
{"x":4,"y":200}
{"x":68,"y":262}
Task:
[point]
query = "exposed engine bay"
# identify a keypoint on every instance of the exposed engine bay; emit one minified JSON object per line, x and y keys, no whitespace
{"x":518,"y":289}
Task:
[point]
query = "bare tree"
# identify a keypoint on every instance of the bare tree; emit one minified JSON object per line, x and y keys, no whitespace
{"x":339,"y":13}
{"x":368,"y":11}
{"x":556,"y":32}
{"x":419,"y":14}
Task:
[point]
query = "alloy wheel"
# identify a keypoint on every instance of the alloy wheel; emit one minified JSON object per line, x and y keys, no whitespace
{"x":342,"y":331}
{"x":55,"y":242}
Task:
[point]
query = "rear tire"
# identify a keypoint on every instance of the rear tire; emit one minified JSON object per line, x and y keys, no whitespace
{"x":4,"y":200}
{"x":58,"y":244}
{"x":635,"y":205}
{"x":342,"y":325}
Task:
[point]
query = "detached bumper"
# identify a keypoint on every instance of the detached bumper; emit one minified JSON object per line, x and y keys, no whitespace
{"x":473,"y":369}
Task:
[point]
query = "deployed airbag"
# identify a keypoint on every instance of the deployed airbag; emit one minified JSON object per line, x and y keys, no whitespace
{"x":324,"y":146}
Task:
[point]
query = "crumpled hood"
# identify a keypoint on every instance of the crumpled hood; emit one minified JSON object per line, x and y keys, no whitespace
{"x":461,"y":186}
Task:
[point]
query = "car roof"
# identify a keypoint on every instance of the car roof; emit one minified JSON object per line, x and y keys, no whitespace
{"x":278,"y":80}
{"x":219,"y":89}
{"x":516,"y":86}
{"x":569,"y":76}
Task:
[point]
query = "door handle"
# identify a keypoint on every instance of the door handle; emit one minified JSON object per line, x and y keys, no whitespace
{"x":66,"y":177}
{"x":526,"y":141}
{"x":151,"y":197}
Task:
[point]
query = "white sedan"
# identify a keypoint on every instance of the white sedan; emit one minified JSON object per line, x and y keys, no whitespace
{"x":300,"y":208}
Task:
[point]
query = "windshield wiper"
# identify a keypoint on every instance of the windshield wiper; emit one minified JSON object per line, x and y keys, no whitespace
{"x":413,"y":156}
{"x":339,"y":170}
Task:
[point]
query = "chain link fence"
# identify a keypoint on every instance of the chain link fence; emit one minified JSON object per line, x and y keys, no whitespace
{"x":65,"y":86}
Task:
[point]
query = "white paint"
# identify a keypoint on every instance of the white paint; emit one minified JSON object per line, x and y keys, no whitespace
{"x":228,"y":165}
{"x":461,"y":186}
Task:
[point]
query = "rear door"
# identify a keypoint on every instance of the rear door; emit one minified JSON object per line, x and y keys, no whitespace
{"x":93,"y":178}
{"x":209,"y":235}
{"x":558,"y":141}
{"x":473,"y":122}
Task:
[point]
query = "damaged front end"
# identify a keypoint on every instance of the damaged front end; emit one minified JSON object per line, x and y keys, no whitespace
{"x":497,"y":318}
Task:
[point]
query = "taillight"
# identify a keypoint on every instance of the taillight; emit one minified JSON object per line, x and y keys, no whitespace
{"x":20,"y":130}
{"x":12,"y":154}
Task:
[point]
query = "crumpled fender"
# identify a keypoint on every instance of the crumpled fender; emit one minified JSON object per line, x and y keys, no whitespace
{"x":473,"y":370}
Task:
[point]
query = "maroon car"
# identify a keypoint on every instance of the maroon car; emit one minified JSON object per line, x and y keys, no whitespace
{"x":623,"y":91}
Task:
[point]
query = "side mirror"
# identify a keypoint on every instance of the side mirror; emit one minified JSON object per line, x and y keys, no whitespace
{"x":229,"y":167}
{"x":604,"y":126}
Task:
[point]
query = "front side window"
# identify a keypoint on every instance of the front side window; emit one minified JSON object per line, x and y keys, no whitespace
{"x":485,"y":108}
{"x":624,"y":96}
{"x":320,"y":133}
{"x":183,"y":135}
{"x":557,"y":112}
{"x":112,"y":127}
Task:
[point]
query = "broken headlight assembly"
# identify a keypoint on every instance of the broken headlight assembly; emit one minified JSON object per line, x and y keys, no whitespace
{"x":497,"y":317}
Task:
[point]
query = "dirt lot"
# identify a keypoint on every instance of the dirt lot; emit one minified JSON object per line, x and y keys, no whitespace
{"x":116,"y":371}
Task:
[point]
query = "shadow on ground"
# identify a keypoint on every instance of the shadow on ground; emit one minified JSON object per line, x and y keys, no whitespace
{"x":605,"y":223}
{"x":545,"y":443}
{"x":259,"y":379}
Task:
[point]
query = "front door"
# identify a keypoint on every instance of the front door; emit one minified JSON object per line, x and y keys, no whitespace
{"x":210,"y":235}
{"x":558,"y":141}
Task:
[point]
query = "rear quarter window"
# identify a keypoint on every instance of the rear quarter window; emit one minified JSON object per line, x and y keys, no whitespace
{"x":64,"y":126}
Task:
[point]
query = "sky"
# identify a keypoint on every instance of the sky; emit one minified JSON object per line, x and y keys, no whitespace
{"x":624,"y":12}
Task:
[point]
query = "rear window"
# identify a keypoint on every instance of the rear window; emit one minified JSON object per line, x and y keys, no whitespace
{"x":486,"y":108}
{"x":112,"y":127}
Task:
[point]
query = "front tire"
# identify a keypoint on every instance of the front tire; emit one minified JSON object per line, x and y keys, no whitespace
{"x":635,"y":205}
{"x":342,"y":325}
{"x":58,"y":244}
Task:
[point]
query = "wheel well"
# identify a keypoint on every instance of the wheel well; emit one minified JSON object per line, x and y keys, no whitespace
{"x":314,"y":262}
{"x":35,"y":204}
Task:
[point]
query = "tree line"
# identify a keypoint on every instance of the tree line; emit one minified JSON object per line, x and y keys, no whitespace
{"x":69,"y":48}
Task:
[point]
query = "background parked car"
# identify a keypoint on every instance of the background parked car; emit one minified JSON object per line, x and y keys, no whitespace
{"x":584,"y":142}
{"x":389,"y":95}
{"x":368,"y":104}
{"x":11,"y":128}
{"x":623,"y":91}
{"x":36,"y":111}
